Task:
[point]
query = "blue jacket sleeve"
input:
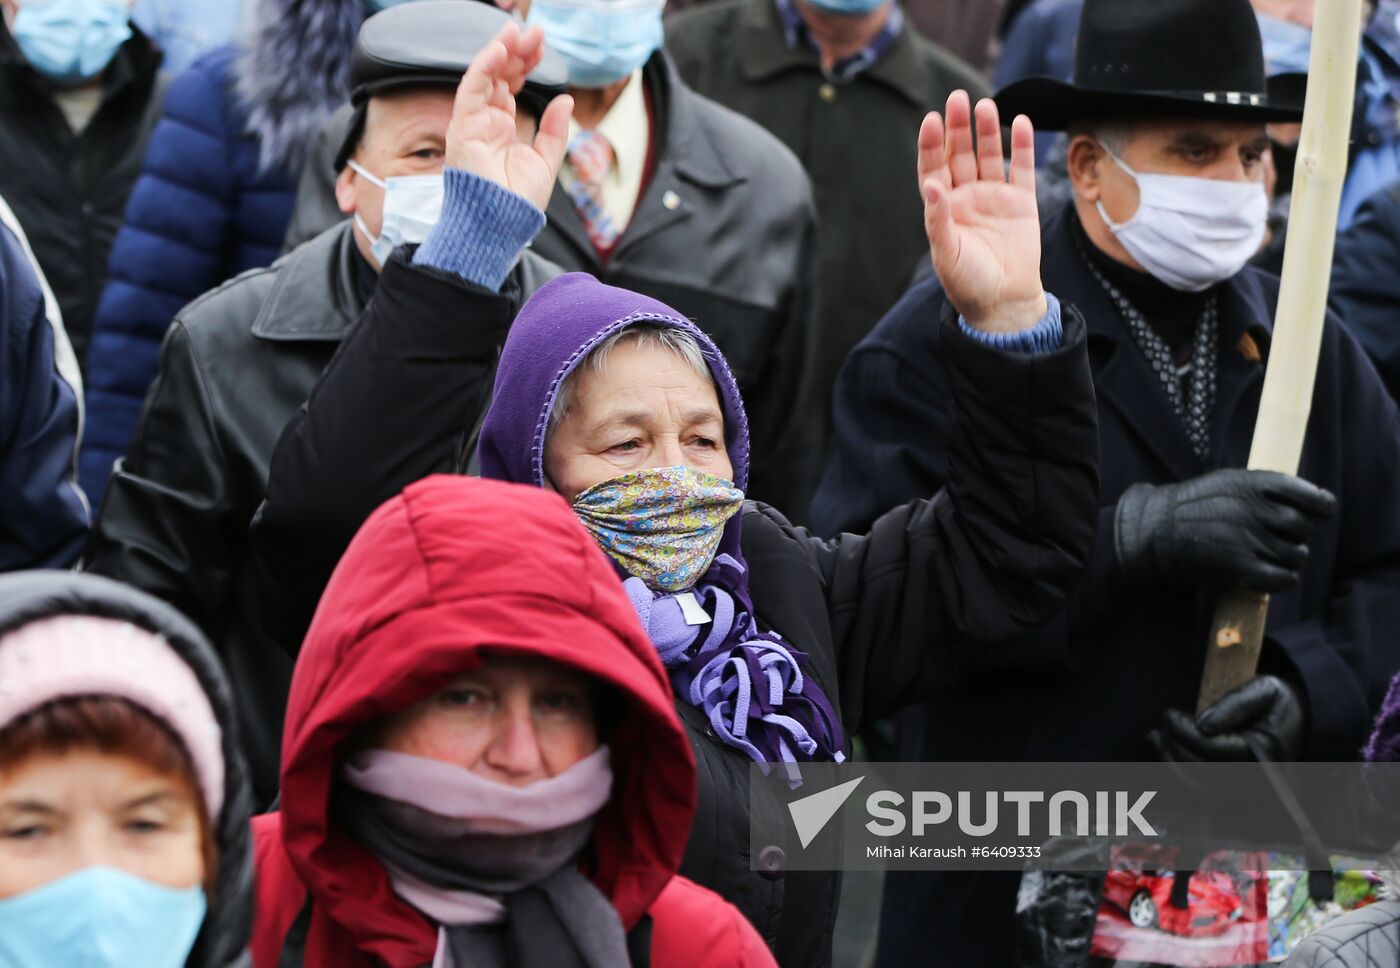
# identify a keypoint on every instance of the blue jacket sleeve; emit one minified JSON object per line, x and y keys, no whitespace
{"x":174,"y":244}
{"x":1365,"y":286}
{"x":1040,"y":42}
{"x":43,"y":516}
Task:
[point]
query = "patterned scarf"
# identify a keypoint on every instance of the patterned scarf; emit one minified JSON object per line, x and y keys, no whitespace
{"x":663,"y":524}
{"x":756,"y":690}
{"x":1196,"y":405}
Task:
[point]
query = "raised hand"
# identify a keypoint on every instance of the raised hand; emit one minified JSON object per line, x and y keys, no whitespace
{"x":481,"y":138}
{"x":983,"y":230}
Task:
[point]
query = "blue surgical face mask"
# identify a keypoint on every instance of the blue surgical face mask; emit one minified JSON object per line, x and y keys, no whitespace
{"x":848,"y":8}
{"x":71,"y":40}
{"x":412,"y":206}
{"x":1287,"y":46}
{"x":100,"y":918}
{"x":601,"y":41}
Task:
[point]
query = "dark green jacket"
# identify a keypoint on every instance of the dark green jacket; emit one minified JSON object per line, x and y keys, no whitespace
{"x":858,"y":142}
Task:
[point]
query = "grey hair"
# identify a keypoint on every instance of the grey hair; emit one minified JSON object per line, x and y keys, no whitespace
{"x":645,"y":335}
{"x":1113,"y":135}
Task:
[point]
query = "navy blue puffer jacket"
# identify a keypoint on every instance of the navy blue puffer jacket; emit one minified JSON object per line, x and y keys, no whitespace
{"x":201,"y":212}
{"x":215,"y":196}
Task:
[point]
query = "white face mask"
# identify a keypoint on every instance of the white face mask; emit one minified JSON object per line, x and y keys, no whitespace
{"x":412,"y":206}
{"x":1192,"y":233}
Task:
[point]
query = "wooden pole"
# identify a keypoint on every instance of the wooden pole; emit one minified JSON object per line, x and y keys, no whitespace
{"x":1237,"y":633}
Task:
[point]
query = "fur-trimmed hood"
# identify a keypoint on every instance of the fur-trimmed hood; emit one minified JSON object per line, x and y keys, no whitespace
{"x":293,"y":71}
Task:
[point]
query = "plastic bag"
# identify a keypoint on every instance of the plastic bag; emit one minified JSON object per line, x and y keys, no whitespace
{"x":1232,"y":911}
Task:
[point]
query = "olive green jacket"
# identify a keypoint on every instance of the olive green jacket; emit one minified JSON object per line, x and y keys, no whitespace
{"x":857,"y":140}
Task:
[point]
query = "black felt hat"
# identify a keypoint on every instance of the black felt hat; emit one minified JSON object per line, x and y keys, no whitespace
{"x":1199,"y":59}
{"x":432,"y":42}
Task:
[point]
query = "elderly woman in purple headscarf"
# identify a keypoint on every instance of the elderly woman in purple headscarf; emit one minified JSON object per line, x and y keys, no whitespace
{"x":780,"y":645}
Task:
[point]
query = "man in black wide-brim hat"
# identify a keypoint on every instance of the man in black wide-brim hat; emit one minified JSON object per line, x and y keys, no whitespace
{"x":1166,"y":116}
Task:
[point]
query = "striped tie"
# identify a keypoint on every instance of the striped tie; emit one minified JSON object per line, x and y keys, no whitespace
{"x":591,"y":157}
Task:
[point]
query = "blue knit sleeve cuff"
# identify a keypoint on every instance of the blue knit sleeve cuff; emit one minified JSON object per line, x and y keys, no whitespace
{"x":1046,"y":336}
{"x":482,"y":230}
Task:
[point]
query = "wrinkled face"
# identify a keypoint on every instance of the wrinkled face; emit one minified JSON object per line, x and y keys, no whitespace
{"x":61,"y":813}
{"x":1224,"y":150}
{"x":512,"y":720}
{"x":647,"y":408}
{"x":405,"y":134}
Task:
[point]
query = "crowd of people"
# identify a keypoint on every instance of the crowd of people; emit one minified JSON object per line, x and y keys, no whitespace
{"x":444,"y":445}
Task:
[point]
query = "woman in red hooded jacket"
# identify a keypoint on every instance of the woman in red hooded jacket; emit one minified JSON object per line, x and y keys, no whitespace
{"x":482,"y":762}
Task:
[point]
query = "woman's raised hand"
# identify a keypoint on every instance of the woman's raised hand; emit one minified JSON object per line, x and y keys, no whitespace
{"x":983,"y":228}
{"x":482,"y":136}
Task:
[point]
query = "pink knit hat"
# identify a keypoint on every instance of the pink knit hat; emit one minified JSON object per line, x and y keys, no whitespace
{"x":83,"y":655}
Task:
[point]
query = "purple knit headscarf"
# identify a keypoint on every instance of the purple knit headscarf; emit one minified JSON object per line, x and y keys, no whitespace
{"x":755,"y":689}
{"x":1384,"y":745}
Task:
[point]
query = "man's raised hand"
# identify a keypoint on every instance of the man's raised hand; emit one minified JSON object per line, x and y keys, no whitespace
{"x":482,"y":137}
{"x":983,"y":229}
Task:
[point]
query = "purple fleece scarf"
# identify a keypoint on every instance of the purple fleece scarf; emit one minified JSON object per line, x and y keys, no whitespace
{"x":756,"y":690}
{"x":1384,"y":745}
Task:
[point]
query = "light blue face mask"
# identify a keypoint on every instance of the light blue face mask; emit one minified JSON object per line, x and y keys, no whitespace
{"x":1287,"y":46}
{"x":848,"y":8}
{"x":412,"y":206}
{"x":71,"y":40}
{"x":601,"y":41}
{"x":100,"y":918}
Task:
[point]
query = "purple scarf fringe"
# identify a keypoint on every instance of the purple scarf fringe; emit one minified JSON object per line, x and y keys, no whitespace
{"x":750,"y":684}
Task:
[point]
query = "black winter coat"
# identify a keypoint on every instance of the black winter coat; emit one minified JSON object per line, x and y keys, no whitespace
{"x":69,"y":190}
{"x":1090,"y":685}
{"x":235,"y":366}
{"x":26,"y":597}
{"x":883,"y":616}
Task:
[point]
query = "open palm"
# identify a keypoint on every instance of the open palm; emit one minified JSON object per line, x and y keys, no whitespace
{"x":983,"y":228}
{"x":482,"y":136}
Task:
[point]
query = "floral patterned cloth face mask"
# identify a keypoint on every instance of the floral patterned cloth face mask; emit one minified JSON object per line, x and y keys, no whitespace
{"x":662,"y":525}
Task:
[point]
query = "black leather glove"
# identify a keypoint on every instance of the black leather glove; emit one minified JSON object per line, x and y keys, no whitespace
{"x":1227,"y":529}
{"x":1266,"y":708}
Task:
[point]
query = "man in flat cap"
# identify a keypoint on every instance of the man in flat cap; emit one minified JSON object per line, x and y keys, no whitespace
{"x":1166,"y":157}
{"x":240,"y":360}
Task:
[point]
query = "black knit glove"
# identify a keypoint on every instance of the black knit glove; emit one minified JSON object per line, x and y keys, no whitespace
{"x":1227,"y":529}
{"x":1267,"y":709}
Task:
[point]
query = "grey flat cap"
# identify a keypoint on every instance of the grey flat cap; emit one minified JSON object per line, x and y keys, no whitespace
{"x":432,"y":42}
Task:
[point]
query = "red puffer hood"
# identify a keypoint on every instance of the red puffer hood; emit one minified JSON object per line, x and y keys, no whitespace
{"x":452,"y":566}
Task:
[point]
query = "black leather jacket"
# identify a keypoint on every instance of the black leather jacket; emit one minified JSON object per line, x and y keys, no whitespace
{"x":235,"y":366}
